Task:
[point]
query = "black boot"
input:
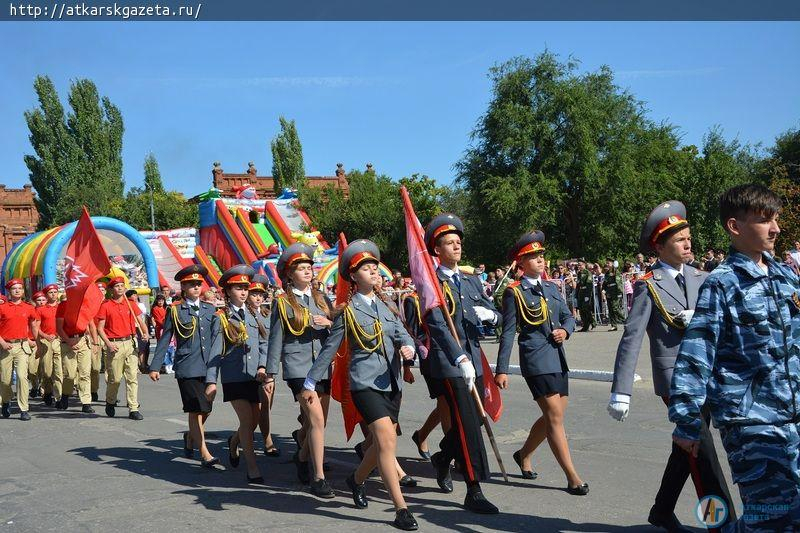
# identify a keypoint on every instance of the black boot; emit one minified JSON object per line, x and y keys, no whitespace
{"x":405,"y":520}
{"x":87,"y":409}
{"x":443,"y":478}
{"x":110,"y":410}
{"x":667,"y":522}
{"x":477,"y":503}
{"x":64,"y":402}
{"x":135,"y":415}
{"x":48,"y":399}
{"x":5,"y":410}
{"x":24,"y":416}
{"x":94,"y":396}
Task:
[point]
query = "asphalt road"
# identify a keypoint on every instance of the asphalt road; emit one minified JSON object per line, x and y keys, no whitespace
{"x":74,"y":472}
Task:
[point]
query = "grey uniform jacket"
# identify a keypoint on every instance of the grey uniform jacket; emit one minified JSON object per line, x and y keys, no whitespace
{"x":191,"y":354}
{"x":368,"y":370}
{"x":538,"y":353}
{"x":664,"y":339}
{"x":240,"y":362}
{"x":295,"y":353}
{"x":443,"y":348}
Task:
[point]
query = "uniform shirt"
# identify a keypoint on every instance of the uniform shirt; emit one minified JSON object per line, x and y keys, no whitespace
{"x":47,"y":314}
{"x":15,"y":320}
{"x":741,"y":352}
{"x":119,"y":321}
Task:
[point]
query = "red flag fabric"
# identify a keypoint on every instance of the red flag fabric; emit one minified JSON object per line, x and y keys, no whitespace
{"x":420,"y":262}
{"x":85,"y":262}
{"x":492,"y":401}
{"x":340,"y":381}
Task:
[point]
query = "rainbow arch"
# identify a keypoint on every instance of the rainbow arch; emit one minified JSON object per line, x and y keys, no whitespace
{"x":329,"y":273}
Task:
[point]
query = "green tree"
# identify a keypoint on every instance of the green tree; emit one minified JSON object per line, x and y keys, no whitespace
{"x":571,"y":154}
{"x":78,"y":158}
{"x":170,"y":208}
{"x":152,"y":176}
{"x":287,"y":158}
{"x":782,"y":171}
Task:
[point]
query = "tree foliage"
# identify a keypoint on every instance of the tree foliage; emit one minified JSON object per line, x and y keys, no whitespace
{"x":78,"y":157}
{"x":287,"y":158}
{"x":152,"y":176}
{"x":782,"y":171}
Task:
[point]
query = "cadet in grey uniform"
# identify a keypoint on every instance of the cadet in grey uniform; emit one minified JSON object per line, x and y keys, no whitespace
{"x":536,"y":309}
{"x":239,"y":354}
{"x":663,"y":304}
{"x":301,"y":320}
{"x":195,"y":326}
{"x":377,"y":341}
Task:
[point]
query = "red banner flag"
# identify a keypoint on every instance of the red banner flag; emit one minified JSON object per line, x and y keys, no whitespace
{"x":86,"y":261}
{"x":340,"y":381}
{"x":492,"y":401}
{"x":420,"y":262}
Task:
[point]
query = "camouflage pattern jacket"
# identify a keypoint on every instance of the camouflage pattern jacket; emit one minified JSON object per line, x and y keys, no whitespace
{"x":741,"y":349}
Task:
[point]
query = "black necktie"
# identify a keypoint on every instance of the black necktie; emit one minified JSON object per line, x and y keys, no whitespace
{"x":374,"y":306}
{"x":240,"y":312}
{"x":457,"y":282}
{"x":195,"y":309}
{"x":681,"y":282}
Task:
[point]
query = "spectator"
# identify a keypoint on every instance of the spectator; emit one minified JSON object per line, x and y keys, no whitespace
{"x":796,"y":253}
{"x":710,"y":261}
{"x":158,"y":314}
{"x":481,"y":272}
{"x":789,"y":261}
{"x":640,"y":265}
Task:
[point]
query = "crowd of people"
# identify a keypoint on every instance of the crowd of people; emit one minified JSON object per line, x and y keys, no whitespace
{"x":723,"y":333}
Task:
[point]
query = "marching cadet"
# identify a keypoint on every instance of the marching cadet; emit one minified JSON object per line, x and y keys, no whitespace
{"x":19,"y":326}
{"x":663,"y":304}
{"x":536,"y":308}
{"x":254,"y":304}
{"x":117,"y":322}
{"x":50,"y":345}
{"x":194,"y":325}
{"x":584,"y":293}
{"x":741,"y":356}
{"x":612,"y":287}
{"x":35,"y":369}
{"x":300,"y":323}
{"x":456,"y":367}
{"x":239,"y":354}
{"x":76,"y":362}
{"x":97,"y":351}
{"x":377,"y":342}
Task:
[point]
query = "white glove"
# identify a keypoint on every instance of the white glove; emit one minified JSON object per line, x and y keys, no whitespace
{"x":684,"y":317}
{"x":618,"y":406}
{"x":484,"y":314}
{"x":468,"y":373}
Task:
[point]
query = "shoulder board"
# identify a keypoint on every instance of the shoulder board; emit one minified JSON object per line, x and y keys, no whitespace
{"x":646,"y":276}
{"x":412,"y":295}
{"x":220,"y":312}
{"x":280,"y":296}
{"x":175,"y":304}
{"x":513,"y":284}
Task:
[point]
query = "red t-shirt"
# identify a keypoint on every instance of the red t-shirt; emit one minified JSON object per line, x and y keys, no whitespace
{"x":159,"y":314}
{"x":15,"y":320}
{"x":47,"y":314}
{"x":119,"y":321}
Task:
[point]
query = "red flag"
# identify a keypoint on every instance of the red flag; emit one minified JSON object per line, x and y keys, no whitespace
{"x":85,"y":262}
{"x":340,"y":381}
{"x":420,"y":262}
{"x":492,"y":401}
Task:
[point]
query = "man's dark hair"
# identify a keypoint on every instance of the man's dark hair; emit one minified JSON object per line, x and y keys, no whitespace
{"x":738,"y":201}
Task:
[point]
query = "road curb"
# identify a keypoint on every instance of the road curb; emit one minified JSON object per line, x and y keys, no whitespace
{"x":590,"y":375}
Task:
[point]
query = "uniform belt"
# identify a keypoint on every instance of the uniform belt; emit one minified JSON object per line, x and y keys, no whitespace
{"x":16,"y":340}
{"x":117,"y":339}
{"x":78,"y":336}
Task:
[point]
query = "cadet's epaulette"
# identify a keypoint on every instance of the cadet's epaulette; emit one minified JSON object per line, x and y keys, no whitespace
{"x":220,"y":312}
{"x":175,"y":304}
{"x":413,"y":295}
{"x":513,"y":284}
{"x":646,"y":276}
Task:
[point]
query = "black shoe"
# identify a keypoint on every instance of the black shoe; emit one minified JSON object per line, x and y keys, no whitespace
{"x":526,"y":474}
{"x":321,"y":489}
{"x":258,"y":480}
{"x":405,"y":520}
{"x":359,"y":448}
{"x":415,"y":439}
{"x":94,"y":397}
{"x":443,"y":478}
{"x":581,"y":490}
{"x":359,"y":493}
{"x":210,"y":463}
{"x":24,"y":416}
{"x":408,"y":481}
{"x":110,"y":410}
{"x":233,"y":459}
{"x":135,"y":415}
{"x":302,"y":469}
{"x":48,"y":400}
{"x":64,"y":403}
{"x":188,"y":451}
{"x":87,"y":409}
{"x":667,"y":522}
{"x":272,"y":451}
{"x":477,"y":503}
{"x":5,"y":411}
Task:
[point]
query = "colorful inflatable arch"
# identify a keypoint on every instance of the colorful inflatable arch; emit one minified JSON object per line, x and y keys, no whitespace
{"x":37,"y":256}
{"x":329,"y":273}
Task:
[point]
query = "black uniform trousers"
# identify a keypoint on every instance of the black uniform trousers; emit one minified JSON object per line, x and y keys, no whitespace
{"x":678,"y":470}
{"x":464,"y":441}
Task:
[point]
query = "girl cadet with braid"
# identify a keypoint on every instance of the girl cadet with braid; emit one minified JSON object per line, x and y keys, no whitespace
{"x":195,"y":326}
{"x":536,"y":308}
{"x":300,"y":323}
{"x":377,"y":342}
{"x":239,"y":353}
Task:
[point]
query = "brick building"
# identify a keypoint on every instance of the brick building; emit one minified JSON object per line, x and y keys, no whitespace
{"x":18,"y":216}
{"x":264,"y":185}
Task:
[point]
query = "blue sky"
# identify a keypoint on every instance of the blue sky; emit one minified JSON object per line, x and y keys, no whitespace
{"x":403,"y":96}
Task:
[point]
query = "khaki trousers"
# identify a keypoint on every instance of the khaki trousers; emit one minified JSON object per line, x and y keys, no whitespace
{"x":50,"y":361}
{"x":17,"y":357}
{"x":123,"y":363}
{"x":77,"y":364}
{"x":97,"y":364}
